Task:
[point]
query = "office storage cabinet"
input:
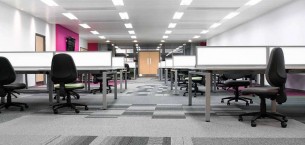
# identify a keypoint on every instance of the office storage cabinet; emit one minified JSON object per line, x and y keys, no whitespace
{"x":148,"y":63}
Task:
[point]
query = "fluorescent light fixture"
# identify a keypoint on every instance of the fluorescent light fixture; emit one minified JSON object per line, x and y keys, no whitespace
{"x":204,"y":31}
{"x":168,"y":32}
{"x":133,"y":37}
{"x":253,"y":2}
{"x":215,"y":25}
{"x":196,"y":36}
{"x":86,"y":26}
{"x":162,"y":41}
{"x":124,"y":15}
{"x":108,"y":41}
{"x":184,"y":44}
{"x":131,"y":32}
{"x":70,"y":16}
{"x":190,"y":41}
{"x":186,"y":2}
{"x":231,"y":15}
{"x":128,"y":25}
{"x":160,"y":44}
{"x":116,"y":47}
{"x":94,"y":32}
{"x":50,"y":3}
{"x":178,"y":15}
{"x":165,"y":37}
{"x":172,"y":25}
{"x":118,"y":2}
{"x":102,"y":37}
{"x":135,"y":41}
{"x":111,"y":44}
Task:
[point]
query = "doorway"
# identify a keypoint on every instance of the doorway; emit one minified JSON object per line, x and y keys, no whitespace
{"x":148,"y":63}
{"x":40,"y":46}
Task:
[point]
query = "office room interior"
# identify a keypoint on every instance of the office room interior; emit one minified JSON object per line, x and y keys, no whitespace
{"x":152,"y":72}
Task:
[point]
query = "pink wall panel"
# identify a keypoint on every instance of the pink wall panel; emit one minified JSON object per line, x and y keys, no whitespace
{"x":92,"y":46}
{"x":61,"y":34}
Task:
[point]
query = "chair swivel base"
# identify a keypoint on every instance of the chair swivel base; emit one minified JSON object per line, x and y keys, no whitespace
{"x":15,"y":104}
{"x":74,"y":94}
{"x":259,"y":115}
{"x":194,"y":92}
{"x":237,"y":99}
{"x":69,"y":105}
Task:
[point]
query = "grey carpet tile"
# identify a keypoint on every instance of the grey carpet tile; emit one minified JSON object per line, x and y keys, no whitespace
{"x":248,"y":141}
{"x":103,"y":116}
{"x":170,"y":116}
{"x":138,"y":113}
{"x":169,"y":108}
{"x":73,"y":140}
{"x":144,"y":105}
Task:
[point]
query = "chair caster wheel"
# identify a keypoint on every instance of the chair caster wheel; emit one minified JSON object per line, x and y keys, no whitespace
{"x":26,"y":106}
{"x":222,"y":101}
{"x":94,"y":93}
{"x":240,"y":118}
{"x":247,"y":104}
{"x":251,"y":102}
{"x":283,"y":124}
{"x":285,"y":119}
{"x":77,"y":97}
{"x":76,"y":111}
{"x":86,"y":108}
{"x":55,"y":111}
{"x":253,"y":124}
{"x":228,"y":104}
{"x":201,"y":93}
{"x":21,"y":109}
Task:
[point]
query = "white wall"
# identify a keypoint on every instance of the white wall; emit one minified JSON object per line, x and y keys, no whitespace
{"x":17,"y":33}
{"x":282,"y":27}
{"x":83,"y":43}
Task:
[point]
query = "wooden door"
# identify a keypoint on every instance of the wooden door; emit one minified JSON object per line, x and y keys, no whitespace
{"x":144,"y":63}
{"x":39,"y":47}
{"x":154,"y":62}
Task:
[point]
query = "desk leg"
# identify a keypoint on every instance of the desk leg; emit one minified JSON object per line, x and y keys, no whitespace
{"x":214,"y":83}
{"x":134,"y":73}
{"x":89,"y":82}
{"x":105,"y":90}
{"x":26,"y":81}
{"x":166,"y":76}
{"x":171,"y":82}
{"x":121,"y":81}
{"x":161,"y":77}
{"x":125,"y":80}
{"x":50,"y":88}
{"x":207,"y":96}
{"x":190,"y":89}
{"x":115,"y":85}
{"x":86,"y":81}
{"x":176,"y":82}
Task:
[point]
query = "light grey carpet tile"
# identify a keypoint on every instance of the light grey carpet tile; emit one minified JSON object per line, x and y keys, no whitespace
{"x":118,"y":107}
{"x":141,"y":108}
{"x":144,"y":104}
{"x":169,"y":108}
{"x":138,"y":113}
{"x":248,"y":141}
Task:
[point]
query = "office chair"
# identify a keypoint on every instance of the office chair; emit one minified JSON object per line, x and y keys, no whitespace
{"x":64,"y":73}
{"x":276,"y":77}
{"x":196,"y":80}
{"x":98,"y":78}
{"x":7,"y":77}
{"x":128,"y":71}
{"x":232,"y":82}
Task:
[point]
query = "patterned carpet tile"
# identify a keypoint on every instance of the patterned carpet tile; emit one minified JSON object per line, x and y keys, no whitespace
{"x":248,"y":141}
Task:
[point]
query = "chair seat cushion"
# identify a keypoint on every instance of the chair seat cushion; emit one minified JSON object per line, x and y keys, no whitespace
{"x":14,"y":86}
{"x":71,"y":86}
{"x":195,"y":78}
{"x":261,"y":91}
{"x":101,"y":78}
{"x":236,"y":83}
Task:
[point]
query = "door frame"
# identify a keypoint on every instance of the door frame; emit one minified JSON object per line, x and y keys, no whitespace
{"x":44,"y":49}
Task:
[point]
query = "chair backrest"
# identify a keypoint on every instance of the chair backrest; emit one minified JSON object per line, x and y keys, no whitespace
{"x":127,"y":67}
{"x":276,"y":73}
{"x":63,"y":69}
{"x":7,"y":73}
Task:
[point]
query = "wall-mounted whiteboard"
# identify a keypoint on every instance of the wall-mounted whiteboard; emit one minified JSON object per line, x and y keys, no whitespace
{"x":29,"y":59}
{"x":293,"y":55}
{"x":231,"y":56}
{"x":168,"y":62}
{"x":184,"y":61}
{"x":118,"y":62}
{"x":83,"y":59}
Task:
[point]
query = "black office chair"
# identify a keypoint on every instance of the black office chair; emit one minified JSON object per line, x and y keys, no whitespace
{"x":7,"y":77}
{"x":128,"y":71}
{"x":276,"y":77}
{"x":232,"y":82}
{"x":64,"y":73}
{"x":98,"y":78}
{"x":196,"y":80}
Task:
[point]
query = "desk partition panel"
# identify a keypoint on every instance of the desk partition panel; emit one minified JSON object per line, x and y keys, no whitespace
{"x":222,"y":56}
{"x":132,"y":64}
{"x":100,"y":59}
{"x":293,"y":55}
{"x":118,"y":62}
{"x":184,"y":61}
{"x":29,"y":59}
{"x":168,"y":62}
{"x":162,"y":64}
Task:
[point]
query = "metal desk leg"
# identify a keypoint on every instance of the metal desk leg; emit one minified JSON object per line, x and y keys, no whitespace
{"x":86,"y":81}
{"x":89,"y":82}
{"x":176,"y":82}
{"x":125,"y":80}
{"x":161,"y":77}
{"x":159,"y":73}
{"x":134,"y":73}
{"x":171,"y":82}
{"x":121,"y":81}
{"x":104,"y":90}
{"x":214,"y":82}
{"x":50,"y":89}
{"x":190,"y":89}
{"x":26,"y":81}
{"x":115,"y":85}
{"x":166,"y":76}
{"x":207,"y":96}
